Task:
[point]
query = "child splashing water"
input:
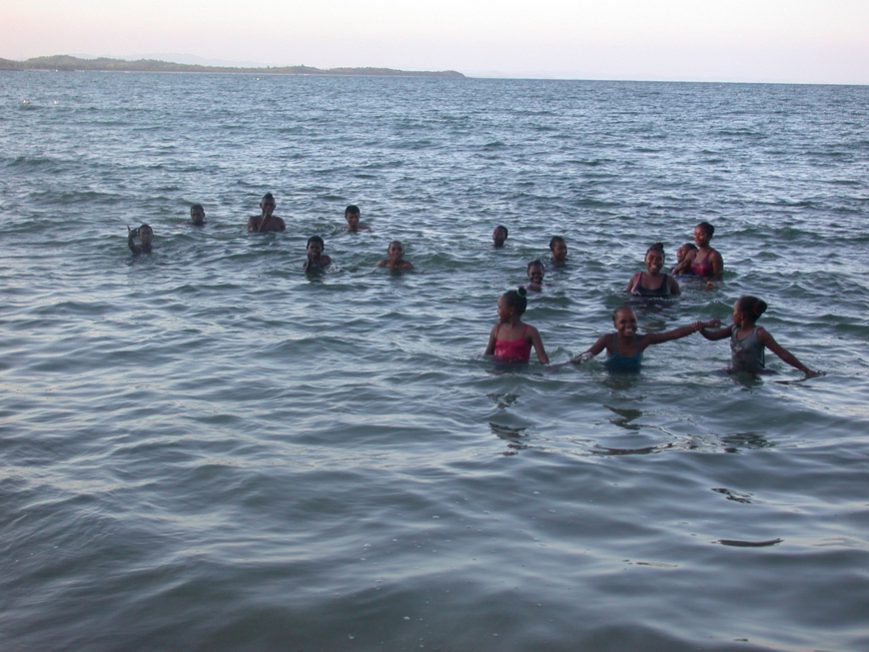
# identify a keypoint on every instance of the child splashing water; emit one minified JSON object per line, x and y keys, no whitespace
{"x":748,"y":340}
{"x":511,"y":340}
{"x":625,"y":347}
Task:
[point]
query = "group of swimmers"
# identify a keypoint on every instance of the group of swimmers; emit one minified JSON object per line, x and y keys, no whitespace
{"x":140,"y":240}
{"x":511,"y":340}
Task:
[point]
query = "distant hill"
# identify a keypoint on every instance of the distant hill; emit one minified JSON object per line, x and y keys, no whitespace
{"x":103,"y":64}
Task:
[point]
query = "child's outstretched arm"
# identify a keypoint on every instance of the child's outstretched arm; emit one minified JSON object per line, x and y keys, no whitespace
{"x":769,"y":342}
{"x":592,"y":351}
{"x":676,"y":333}
{"x":537,"y":343}
{"x":717,"y":334}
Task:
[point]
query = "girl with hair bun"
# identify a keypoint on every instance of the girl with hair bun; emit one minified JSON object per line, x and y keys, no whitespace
{"x":511,"y":340}
{"x":748,"y":340}
{"x":652,"y":283}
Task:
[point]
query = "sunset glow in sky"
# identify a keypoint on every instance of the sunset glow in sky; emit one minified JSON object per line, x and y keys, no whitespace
{"x":822,"y":41}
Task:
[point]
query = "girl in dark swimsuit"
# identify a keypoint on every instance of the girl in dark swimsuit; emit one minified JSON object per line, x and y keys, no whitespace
{"x":511,"y":340}
{"x":652,"y":283}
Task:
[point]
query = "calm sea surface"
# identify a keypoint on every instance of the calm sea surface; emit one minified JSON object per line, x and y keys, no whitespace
{"x":204,"y":449}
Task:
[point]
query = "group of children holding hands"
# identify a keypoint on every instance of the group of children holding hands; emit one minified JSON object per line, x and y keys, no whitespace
{"x":511,"y":340}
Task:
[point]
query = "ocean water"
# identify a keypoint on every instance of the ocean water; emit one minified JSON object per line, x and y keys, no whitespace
{"x":205,"y":449}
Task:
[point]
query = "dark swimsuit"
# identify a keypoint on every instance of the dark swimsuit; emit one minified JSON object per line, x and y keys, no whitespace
{"x":663,"y":291}
{"x":518,"y":350}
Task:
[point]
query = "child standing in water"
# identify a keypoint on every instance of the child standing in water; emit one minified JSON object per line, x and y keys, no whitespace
{"x":499,"y":236}
{"x":395,"y":257}
{"x":352,"y":215}
{"x":197,"y":215}
{"x":317,"y":261}
{"x":558,"y":247}
{"x":748,"y":340}
{"x":145,"y":235}
{"x":511,"y":340}
{"x":625,"y":347}
{"x":535,"y":276}
{"x":652,"y":283}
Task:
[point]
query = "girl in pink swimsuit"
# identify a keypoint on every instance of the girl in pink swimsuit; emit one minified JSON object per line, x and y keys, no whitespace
{"x":511,"y":340}
{"x":705,"y":262}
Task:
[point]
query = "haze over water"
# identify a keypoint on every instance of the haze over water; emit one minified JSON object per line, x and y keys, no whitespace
{"x":205,"y":449}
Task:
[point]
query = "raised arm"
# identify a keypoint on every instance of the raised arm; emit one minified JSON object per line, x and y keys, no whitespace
{"x":769,"y":342}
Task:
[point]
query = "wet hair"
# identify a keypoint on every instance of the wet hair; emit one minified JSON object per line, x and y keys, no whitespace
{"x":316,"y":238}
{"x":556,"y":238}
{"x":658,"y":246}
{"x":352,"y":209}
{"x":517,"y":300}
{"x":535,"y":263}
{"x":144,"y":227}
{"x":268,"y":196}
{"x":395,"y":242}
{"x":624,"y":306}
{"x":690,"y":246}
{"x":503,"y":228}
{"x":708,"y":229}
{"x":751,"y":306}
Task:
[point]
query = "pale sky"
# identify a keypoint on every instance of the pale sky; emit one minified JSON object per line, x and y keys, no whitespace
{"x":812,"y":41}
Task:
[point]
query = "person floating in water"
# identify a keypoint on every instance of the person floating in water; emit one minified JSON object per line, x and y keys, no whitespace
{"x":499,"y":236}
{"x":352,"y":215}
{"x":145,"y":236}
{"x":558,"y":247}
{"x":535,"y":273}
{"x":748,"y":340}
{"x":511,"y":340}
{"x":317,"y":261}
{"x":197,"y":215}
{"x":395,"y":257}
{"x":625,"y":347}
{"x":652,"y":283}
{"x":682,"y":253}
{"x":705,"y":262}
{"x":266,"y":221}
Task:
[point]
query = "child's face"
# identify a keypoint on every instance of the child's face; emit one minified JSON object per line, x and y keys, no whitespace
{"x":654,"y":261}
{"x":535,"y":274}
{"x":559,"y":250}
{"x":498,"y":237}
{"x":681,"y":252}
{"x":352,"y":220}
{"x":395,"y":251}
{"x":625,"y":322}
{"x":197,"y":215}
{"x":268,"y":206}
{"x":314,"y":249}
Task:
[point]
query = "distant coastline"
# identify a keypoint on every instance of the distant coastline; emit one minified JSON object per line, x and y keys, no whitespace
{"x":104,"y":64}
